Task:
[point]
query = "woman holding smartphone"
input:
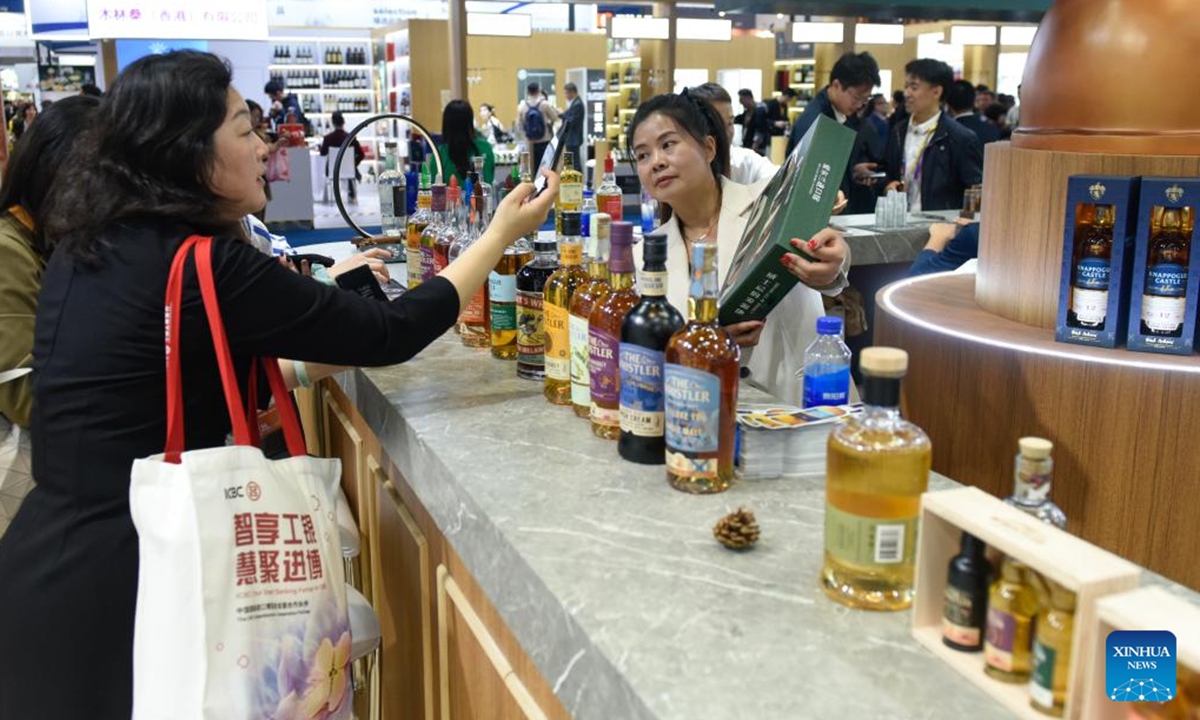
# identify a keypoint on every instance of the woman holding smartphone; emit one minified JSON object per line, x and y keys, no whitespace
{"x":681,"y":151}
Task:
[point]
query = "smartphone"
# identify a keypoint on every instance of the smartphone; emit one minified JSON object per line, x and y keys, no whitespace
{"x":550,"y":160}
{"x":362,"y":281}
{"x":312,"y":258}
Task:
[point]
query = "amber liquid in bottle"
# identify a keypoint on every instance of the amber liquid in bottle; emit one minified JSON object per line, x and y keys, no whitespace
{"x":582,"y":302}
{"x":1092,"y":267}
{"x":1164,"y":295}
{"x":531,"y":328}
{"x":473,"y":325}
{"x":604,"y":335}
{"x":570,"y":191}
{"x":417,"y":222}
{"x":558,"y":292}
{"x":502,"y":301}
{"x":1012,"y":603}
{"x":700,"y":384}
{"x":1052,"y":650}
{"x":449,"y":231}
{"x":877,"y":468}
{"x":429,"y":236}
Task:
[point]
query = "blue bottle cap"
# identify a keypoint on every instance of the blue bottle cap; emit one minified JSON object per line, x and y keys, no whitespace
{"x":829,"y":325}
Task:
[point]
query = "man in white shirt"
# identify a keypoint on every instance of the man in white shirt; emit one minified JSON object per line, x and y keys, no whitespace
{"x":745,"y":166}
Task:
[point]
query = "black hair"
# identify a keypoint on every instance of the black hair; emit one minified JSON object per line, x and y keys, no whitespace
{"x":37,"y":158}
{"x":711,"y":92}
{"x":856,"y":70}
{"x":898,"y":97}
{"x":788,"y":92}
{"x":981,"y":88}
{"x":338,"y":119}
{"x":694,"y":115}
{"x":995,"y":112}
{"x":533,"y":89}
{"x":746,"y":92}
{"x":458,"y":132}
{"x":272,"y":87}
{"x":961,"y":97}
{"x":90,"y":89}
{"x":571,"y":87}
{"x":148,"y":153}
{"x":934,"y":72}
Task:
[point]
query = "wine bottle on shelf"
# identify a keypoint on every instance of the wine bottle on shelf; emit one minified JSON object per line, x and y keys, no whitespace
{"x":645,"y":332}
{"x":582,"y":303}
{"x":559,"y":290}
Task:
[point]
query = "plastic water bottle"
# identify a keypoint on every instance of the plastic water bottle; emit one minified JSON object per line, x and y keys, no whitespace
{"x":827,"y":366}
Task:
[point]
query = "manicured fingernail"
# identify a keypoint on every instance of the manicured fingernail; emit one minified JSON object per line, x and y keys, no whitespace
{"x":812,"y":244}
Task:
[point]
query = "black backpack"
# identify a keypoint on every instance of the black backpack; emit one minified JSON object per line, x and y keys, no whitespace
{"x":535,"y":123}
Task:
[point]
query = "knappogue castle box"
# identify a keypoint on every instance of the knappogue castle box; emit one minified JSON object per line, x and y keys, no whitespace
{"x":1166,"y":276}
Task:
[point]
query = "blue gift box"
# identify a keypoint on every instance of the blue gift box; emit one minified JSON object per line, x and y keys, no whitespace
{"x":1176,"y":284}
{"x":1092,"y":283}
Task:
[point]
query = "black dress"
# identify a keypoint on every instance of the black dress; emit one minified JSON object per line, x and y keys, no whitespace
{"x":68,"y":563}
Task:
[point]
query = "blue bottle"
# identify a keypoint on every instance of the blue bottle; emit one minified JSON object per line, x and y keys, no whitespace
{"x":827,"y":366}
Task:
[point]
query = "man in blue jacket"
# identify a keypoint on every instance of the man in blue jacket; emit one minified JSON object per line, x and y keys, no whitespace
{"x":930,"y":156}
{"x":961,"y":104}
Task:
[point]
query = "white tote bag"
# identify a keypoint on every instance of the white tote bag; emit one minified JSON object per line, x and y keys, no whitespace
{"x":241,"y":601}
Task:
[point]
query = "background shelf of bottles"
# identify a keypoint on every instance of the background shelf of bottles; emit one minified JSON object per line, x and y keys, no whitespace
{"x":333,"y":53}
{"x":624,"y":75}
{"x":309,"y":80}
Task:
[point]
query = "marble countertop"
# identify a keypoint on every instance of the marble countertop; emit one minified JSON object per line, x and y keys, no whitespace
{"x":612,"y":581}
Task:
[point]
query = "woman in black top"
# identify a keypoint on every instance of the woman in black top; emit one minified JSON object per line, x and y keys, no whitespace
{"x":171,"y":153}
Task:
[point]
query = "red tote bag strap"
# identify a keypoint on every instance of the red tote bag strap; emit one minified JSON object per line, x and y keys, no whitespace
{"x":293,"y":435}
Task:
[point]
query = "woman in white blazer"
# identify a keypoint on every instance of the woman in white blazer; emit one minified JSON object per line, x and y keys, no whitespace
{"x":682,"y":156}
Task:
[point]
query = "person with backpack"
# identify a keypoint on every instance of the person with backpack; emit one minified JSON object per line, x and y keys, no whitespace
{"x":535,"y":121}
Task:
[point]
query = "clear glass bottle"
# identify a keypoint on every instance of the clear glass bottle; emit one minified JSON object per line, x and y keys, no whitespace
{"x":609,"y":197}
{"x":559,"y":290}
{"x":1032,"y":482}
{"x":393,"y":202}
{"x":586,"y":211}
{"x":1012,"y":605}
{"x":1052,"y":649}
{"x":531,"y":328}
{"x":417,"y":222}
{"x":450,"y":229}
{"x":429,"y":235}
{"x":473,"y":319}
{"x":604,"y":335}
{"x":826,"y":366}
{"x":486,"y":208}
{"x":877,"y":468}
{"x":582,"y":302}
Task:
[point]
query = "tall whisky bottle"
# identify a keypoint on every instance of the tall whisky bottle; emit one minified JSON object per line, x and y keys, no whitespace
{"x":1032,"y":480}
{"x":570,"y":190}
{"x":429,"y":235}
{"x":450,"y":229}
{"x":417,"y":222}
{"x":604,"y":335}
{"x":502,"y":285}
{"x":473,"y":320}
{"x":531,"y":330}
{"x":609,"y":197}
{"x":1052,"y":649}
{"x":582,"y":302}
{"x":1164,"y":296}
{"x":700,"y":385}
{"x":877,"y":469}
{"x":559,"y":290}
{"x":645,"y":333}
{"x":1012,"y":603}
{"x":1093,"y":266}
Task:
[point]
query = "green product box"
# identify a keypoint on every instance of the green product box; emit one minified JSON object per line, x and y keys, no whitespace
{"x":796,"y":203}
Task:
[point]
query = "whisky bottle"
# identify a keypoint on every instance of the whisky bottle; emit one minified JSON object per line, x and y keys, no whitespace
{"x":608,"y":196}
{"x":582,"y":302}
{"x":1093,"y":265}
{"x":1164,"y":296}
{"x":1052,"y":649}
{"x":604,"y":335}
{"x":964,"y":614}
{"x":645,"y":333}
{"x":473,"y":320}
{"x":449,"y":230}
{"x":700,"y":385}
{"x":560,"y":289}
{"x":1032,"y":482}
{"x":570,"y":190}
{"x":417,"y":222}
{"x":430,"y":234}
{"x":502,"y":301}
{"x":1012,"y":603}
{"x":531,"y":331}
{"x":877,"y":469}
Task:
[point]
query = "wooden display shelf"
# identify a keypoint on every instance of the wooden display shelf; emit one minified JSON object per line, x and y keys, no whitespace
{"x":1121,"y":421}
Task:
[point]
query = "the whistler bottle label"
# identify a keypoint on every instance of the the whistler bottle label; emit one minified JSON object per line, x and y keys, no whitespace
{"x":604,"y":372}
{"x":958,"y":618}
{"x":558,"y":342}
{"x":692,"y":403}
{"x":502,"y":289}
{"x":531,"y":335}
{"x":1001,"y":634}
{"x":570,"y":253}
{"x":581,"y":392}
{"x":475,"y":313}
{"x":641,"y":390}
{"x":653,"y":284}
{"x":827,"y":388}
{"x":869,"y":542}
{"x":1041,"y":683}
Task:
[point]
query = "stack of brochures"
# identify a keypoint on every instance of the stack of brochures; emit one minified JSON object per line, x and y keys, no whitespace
{"x":785,"y":440}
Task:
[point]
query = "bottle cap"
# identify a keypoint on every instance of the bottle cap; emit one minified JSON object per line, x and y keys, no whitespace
{"x":1035,"y":448}
{"x":622,"y":247}
{"x":608,"y":163}
{"x":572,"y":222}
{"x":884,"y":362}
{"x":829,"y":325}
{"x":439,"y":197}
{"x":587,"y":193}
{"x":654,"y":249}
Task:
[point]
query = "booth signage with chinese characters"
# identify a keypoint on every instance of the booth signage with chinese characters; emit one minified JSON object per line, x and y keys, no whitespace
{"x":212,"y":20}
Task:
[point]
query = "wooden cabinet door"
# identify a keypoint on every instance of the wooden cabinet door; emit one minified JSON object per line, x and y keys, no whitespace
{"x":344,"y":442}
{"x":476,"y":680}
{"x":404,"y":602}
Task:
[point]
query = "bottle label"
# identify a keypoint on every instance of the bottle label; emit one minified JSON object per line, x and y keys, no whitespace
{"x":1166,"y":280}
{"x":958,"y":618}
{"x":475,"y":313}
{"x":502,"y":289}
{"x":581,"y":392}
{"x":387,"y":202}
{"x":604,"y":372}
{"x":610,"y":204}
{"x":641,"y":390}
{"x":1041,"y":683}
{"x":570,"y":253}
{"x":869,"y":542}
{"x":1092,"y":273}
{"x":1001,"y":634}
{"x":558,"y":342}
{"x":570,"y":196}
{"x":439,"y":263}
{"x":427,"y":262}
{"x":1163,"y":314}
{"x":693,"y":410}
{"x":653,"y":284}
{"x":1089,"y":306}
{"x":531,"y":335}
{"x":827,"y":387}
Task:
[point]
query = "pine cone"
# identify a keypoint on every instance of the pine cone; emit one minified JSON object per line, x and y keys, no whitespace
{"x":738,"y":530}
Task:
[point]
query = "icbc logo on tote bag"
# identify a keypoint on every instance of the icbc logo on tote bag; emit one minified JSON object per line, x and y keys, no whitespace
{"x":241,"y":604}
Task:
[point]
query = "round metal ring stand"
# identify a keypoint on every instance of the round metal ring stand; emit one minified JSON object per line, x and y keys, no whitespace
{"x":337,"y":183}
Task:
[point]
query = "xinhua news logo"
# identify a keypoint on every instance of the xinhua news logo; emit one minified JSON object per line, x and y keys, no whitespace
{"x":1140,"y":666}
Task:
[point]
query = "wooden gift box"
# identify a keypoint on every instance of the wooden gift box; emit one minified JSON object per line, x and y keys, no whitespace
{"x":1082,"y":568}
{"x":1147,"y":608}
